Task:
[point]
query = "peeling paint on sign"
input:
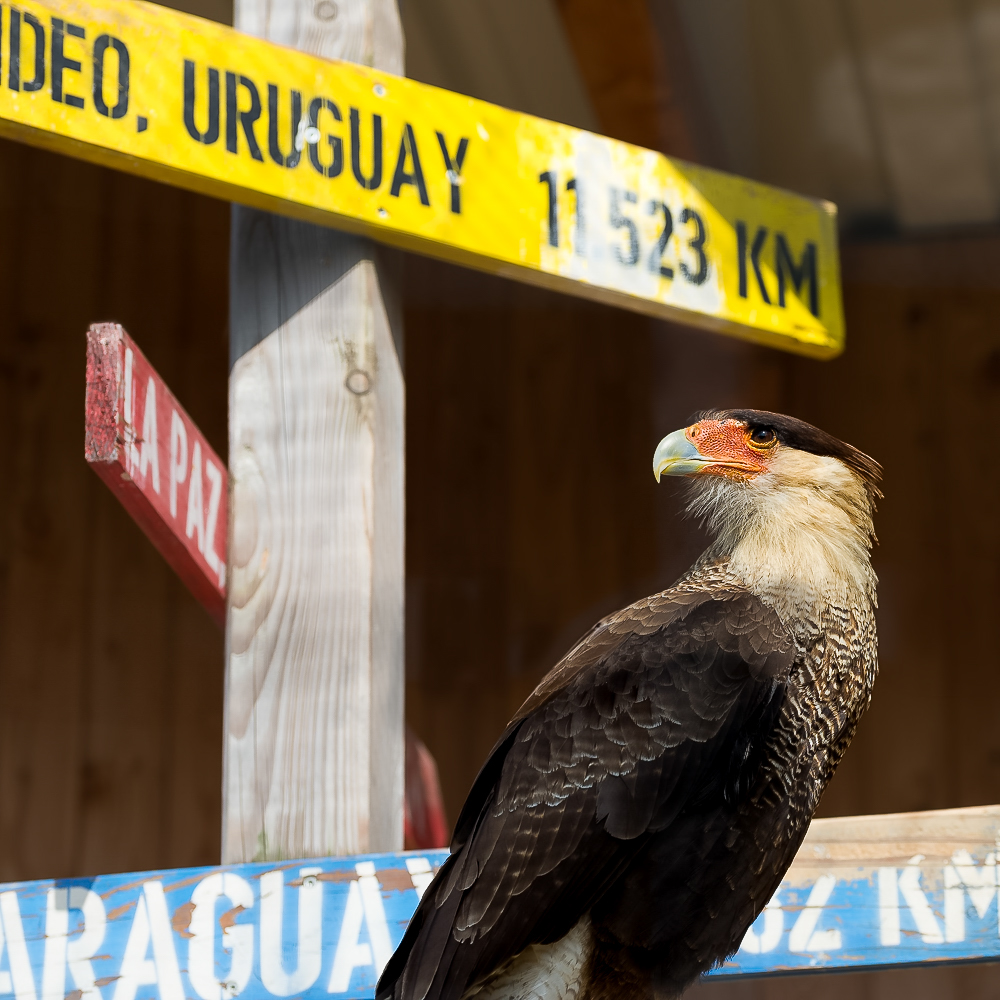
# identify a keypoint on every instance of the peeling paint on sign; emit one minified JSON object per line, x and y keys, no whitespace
{"x":327,"y":926}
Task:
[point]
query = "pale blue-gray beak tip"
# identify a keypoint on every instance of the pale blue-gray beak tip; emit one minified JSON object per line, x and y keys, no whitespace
{"x":675,"y":455}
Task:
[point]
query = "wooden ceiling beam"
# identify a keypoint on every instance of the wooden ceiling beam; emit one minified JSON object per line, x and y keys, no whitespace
{"x":635,"y":82}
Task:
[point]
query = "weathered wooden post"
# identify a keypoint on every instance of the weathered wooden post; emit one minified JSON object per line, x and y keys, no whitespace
{"x":314,"y":682}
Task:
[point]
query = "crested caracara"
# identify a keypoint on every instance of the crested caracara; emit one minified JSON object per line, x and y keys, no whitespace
{"x":644,"y":803}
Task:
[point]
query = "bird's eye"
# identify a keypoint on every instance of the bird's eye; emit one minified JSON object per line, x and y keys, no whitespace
{"x":761,"y":437}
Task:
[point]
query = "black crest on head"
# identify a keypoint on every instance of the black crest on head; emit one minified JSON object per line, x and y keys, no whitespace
{"x":798,"y":434}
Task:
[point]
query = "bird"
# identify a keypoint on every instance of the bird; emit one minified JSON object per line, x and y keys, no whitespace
{"x":643,"y":804}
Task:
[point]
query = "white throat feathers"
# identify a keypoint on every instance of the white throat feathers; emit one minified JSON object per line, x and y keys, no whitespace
{"x":800,"y":533}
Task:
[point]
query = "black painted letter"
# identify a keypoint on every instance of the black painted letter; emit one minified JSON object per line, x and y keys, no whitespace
{"x":785,"y":265}
{"x":316,"y":105}
{"x":101,"y":46}
{"x":741,"y":251}
{"x":549,"y":180}
{"x":274,"y":147}
{"x":60,"y":63}
{"x":211,"y":134}
{"x":234,"y":118}
{"x":454,"y":168}
{"x":408,"y":151}
{"x":374,"y":182}
{"x":14,"y":66}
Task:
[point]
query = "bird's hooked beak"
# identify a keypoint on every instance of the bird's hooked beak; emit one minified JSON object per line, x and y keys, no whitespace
{"x":728,"y":447}
{"x":676,"y":455}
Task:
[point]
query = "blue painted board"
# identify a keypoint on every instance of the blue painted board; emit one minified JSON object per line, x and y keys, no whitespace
{"x":323,"y":927}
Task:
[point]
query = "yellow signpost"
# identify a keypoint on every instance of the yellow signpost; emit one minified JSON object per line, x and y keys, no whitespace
{"x":183,"y":100}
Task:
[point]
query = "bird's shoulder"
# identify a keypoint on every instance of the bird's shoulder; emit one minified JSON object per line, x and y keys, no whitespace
{"x":672,"y":669}
{"x":697,"y":614}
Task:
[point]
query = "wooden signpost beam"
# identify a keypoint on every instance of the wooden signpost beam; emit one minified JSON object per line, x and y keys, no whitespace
{"x":173,"y":97}
{"x":141,"y":442}
{"x":864,"y":892}
{"x":314,"y":685}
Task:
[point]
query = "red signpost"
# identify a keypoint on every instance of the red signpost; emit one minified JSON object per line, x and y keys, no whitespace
{"x":142,"y":443}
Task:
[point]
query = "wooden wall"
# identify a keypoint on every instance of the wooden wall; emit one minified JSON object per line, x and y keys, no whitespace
{"x":529,"y":512}
{"x":110,"y":674}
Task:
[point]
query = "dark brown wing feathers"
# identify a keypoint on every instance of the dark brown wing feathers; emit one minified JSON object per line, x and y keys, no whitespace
{"x":663,"y":706}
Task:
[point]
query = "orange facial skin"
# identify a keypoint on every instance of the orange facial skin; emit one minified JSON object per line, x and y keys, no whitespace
{"x":728,"y":444}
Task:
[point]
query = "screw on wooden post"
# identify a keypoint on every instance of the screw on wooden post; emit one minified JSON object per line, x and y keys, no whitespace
{"x":314,"y":689}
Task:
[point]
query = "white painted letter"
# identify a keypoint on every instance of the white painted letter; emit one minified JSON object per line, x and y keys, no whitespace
{"x":420,"y":874}
{"x":888,"y":906}
{"x":961,"y":876}
{"x":211,"y":556}
{"x":56,"y":932}
{"x":236,"y":938}
{"x":178,"y":457}
{"x":80,"y":952}
{"x":150,"y":923}
{"x":17,"y":950}
{"x":196,"y":500}
{"x":350,"y":953}
{"x":149,"y":455}
{"x":804,"y":936}
{"x":60,"y":951}
{"x":770,"y":935}
{"x":5,"y":983}
{"x":913,"y":896}
{"x":364,"y":903}
{"x":310,"y":958}
{"x":378,"y":927}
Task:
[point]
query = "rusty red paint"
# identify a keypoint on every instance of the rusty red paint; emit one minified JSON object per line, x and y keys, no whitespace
{"x":395,"y":880}
{"x":181,"y":920}
{"x":424,"y":824}
{"x":333,"y":877}
{"x":228,"y":919}
{"x":120,"y":911}
{"x":150,"y":453}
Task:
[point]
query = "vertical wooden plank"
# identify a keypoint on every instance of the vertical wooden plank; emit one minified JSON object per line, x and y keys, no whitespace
{"x":313,"y":754}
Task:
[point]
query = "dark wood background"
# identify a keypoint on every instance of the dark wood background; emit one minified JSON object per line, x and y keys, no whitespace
{"x":110,"y":673}
{"x":531,"y":507}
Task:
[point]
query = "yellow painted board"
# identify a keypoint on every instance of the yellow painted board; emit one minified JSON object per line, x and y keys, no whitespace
{"x":183,"y":100}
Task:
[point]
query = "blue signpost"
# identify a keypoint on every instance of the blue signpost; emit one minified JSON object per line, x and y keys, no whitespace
{"x":325,"y":927}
